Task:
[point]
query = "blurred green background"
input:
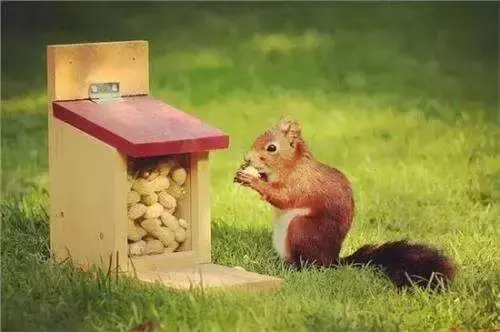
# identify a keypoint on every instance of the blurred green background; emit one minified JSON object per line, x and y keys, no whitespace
{"x":441,"y":59}
{"x":402,"y":97}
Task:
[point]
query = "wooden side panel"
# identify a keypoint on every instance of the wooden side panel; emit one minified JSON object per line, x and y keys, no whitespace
{"x":201,"y":206}
{"x":76,"y":66}
{"x":88,"y":200}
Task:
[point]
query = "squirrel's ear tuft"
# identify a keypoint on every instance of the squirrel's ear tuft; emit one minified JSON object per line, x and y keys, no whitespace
{"x":290,"y":128}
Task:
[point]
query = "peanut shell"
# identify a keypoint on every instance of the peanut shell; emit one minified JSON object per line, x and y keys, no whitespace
{"x":149,"y":199}
{"x":169,"y":220}
{"x":143,"y":186}
{"x":134,"y":231}
{"x":160,"y":183}
{"x":183,"y":223}
{"x":136,"y":211}
{"x":137,"y":248}
{"x":153,"y":211}
{"x":180,"y":235}
{"x":172,"y":247}
{"x":166,"y":236}
{"x":133,"y":197}
{"x":168,"y":201}
{"x":153,"y":246}
{"x":175,"y":190}
{"x":179,"y":175}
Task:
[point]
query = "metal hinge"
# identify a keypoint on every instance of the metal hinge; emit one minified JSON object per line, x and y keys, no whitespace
{"x":105,"y":93}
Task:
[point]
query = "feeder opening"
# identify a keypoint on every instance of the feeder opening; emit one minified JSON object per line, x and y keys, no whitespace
{"x":158,"y":205}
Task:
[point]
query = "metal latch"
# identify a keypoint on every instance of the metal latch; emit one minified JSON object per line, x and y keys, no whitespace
{"x":105,"y":93}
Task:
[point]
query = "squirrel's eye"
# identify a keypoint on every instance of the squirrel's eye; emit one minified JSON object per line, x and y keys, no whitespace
{"x":271,"y":148}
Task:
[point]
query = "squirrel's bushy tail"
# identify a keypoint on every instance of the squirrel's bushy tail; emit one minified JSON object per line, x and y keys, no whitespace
{"x":407,"y":264}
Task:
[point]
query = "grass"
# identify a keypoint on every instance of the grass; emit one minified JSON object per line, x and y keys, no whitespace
{"x":402,"y":98}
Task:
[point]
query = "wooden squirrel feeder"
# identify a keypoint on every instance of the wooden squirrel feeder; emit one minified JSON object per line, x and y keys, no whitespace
{"x":107,"y":141}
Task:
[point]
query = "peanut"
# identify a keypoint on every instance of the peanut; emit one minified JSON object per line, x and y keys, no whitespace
{"x":149,"y":199}
{"x":153,"y":246}
{"x":251,"y":171}
{"x":175,"y":190}
{"x":160,"y":183}
{"x":136,"y":211}
{"x":143,"y":186}
{"x":136,"y":248}
{"x":180,"y":235}
{"x":168,"y":201}
{"x":134,"y":232}
{"x":165,"y":167}
{"x":172,"y":247}
{"x":183,"y":223}
{"x":152,"y":226}
{"x":153,"y":211}
{"x":133,"y":197}
{"x":169,"y":220}
{"x":179,"y":175}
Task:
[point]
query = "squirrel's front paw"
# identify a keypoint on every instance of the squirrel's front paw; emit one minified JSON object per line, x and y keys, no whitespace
{"x":244,"y":178}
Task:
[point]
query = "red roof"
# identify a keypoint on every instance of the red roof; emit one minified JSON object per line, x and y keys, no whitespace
{"x":141,"y":126}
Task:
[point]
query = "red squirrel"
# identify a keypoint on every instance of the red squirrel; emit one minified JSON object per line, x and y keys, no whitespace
{"x":315,"y":209}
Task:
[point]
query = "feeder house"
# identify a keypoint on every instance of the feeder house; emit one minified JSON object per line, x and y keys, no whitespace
{"x":129,"y":174}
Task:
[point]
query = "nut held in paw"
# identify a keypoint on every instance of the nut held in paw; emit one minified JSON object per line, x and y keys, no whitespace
{"x":250,"y":170}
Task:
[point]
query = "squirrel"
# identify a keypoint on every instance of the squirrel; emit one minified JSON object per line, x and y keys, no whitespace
{"x":315,"y":210}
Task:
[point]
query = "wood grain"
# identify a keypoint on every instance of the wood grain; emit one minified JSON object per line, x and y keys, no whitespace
{"x":210,"y":277}
{"x":76,"y":66}
{"x":201,"y":206}
{"x":88,"y":198}
{"x":142,"y":126}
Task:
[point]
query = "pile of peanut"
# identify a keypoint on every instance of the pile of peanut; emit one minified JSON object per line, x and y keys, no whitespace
{"x":153,"y":224}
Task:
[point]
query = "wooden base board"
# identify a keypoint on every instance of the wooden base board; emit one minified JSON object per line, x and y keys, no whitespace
{"x":208,"y":276}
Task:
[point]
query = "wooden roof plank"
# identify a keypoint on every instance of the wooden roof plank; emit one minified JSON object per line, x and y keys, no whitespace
{"x":141,"y":126}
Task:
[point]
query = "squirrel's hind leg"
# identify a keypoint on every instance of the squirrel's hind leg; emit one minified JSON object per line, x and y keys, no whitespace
{"x":310,"y":245}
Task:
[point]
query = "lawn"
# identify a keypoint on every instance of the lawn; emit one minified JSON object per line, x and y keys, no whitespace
{"x":401,"y":97}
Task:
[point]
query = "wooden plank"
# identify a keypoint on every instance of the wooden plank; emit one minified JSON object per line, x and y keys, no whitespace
{"x":210,"y":277}
{"x":201,"y":206}
{"x":76,"y":66}
{"x":88,"y":200}
{"x":163,"y":261}
{"x":184,"y":205}
{"x":142,"y":126}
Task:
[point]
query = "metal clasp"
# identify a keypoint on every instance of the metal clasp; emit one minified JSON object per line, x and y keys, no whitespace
{"x":105,"y":93}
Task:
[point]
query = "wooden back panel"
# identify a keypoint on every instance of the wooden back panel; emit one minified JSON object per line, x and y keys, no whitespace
{"x":73,"y":67}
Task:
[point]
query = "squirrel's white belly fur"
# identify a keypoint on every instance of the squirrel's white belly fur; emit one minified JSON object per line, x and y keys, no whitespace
{"x":280,"y":227}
